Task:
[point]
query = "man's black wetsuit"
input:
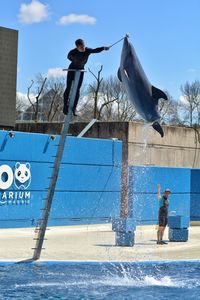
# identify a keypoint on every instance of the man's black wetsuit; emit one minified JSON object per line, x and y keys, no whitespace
{"x":78,"y":60}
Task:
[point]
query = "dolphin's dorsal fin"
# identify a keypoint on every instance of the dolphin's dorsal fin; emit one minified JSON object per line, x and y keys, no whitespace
{"x":119,"y":75}
{"x":157,"y":94}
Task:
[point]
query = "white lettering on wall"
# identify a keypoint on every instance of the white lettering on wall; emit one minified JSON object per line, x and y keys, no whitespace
{"x":8,"y":172}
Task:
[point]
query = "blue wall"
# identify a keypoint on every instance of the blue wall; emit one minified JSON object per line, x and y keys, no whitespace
{"x":195,"y":195}
{"x":88,"y":187}
{"x":143,"y":182}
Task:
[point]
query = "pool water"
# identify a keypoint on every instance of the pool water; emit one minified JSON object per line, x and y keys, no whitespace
{"x":180,"y":280}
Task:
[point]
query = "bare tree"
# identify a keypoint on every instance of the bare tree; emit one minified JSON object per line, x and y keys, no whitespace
{"x":169,"y":110}
{"x":37,"y":97}
{"x":96,"y":92}
{"x":20,"y":106}
{"x":49,"y":98}
{"x":86,"y":108}
{"x":110,"y":100}
{"x":191,"y":103}
{"x":52,"y":100}
{"x":190,"y":109}
{"x":115,"y":106}
{"x":95,"y":89}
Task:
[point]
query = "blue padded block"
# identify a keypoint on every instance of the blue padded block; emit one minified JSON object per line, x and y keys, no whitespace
{"x":123,"y":224}
{"x":178,"y":222}
{"x":124,"y":239}
{"x":178,"y":235}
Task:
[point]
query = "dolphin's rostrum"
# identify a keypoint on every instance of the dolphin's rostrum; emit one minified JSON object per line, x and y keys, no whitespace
{"x":141,"y":92}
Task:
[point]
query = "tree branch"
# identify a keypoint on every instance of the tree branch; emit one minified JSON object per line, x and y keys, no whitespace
{"x":28,"y":95}
{"x":104,"y":104}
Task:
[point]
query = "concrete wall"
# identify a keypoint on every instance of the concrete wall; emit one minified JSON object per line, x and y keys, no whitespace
{"x":89,"y":182}
{"x":179,"y":147}
{"x":8,"y":73}
{"x":142,"y":145}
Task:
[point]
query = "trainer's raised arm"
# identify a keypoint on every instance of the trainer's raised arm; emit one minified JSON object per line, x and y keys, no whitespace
{"x":158,"y":191}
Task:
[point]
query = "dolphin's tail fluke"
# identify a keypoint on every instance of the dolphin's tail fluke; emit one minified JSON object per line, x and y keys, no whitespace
{"x":158,"y":128}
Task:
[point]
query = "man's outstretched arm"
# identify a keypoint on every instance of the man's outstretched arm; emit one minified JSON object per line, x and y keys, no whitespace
{"x":158,"y":191}
{"x":97,"y":50}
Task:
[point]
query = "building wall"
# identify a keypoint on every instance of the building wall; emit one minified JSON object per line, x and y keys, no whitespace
{"x":179,"y":147}
{"x":8,"y":72}
{"x":89,"y":182}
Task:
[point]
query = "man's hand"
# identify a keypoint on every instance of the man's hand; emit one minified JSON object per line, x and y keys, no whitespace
{"x":106,"y":48}
{"x":158,"y":191}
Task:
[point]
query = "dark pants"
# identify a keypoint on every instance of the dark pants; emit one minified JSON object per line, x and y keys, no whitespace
{"x":163,"y":216}
{"x":70,"y":78}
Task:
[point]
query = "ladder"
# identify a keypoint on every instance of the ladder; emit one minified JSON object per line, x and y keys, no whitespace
{"x":40,"y":231}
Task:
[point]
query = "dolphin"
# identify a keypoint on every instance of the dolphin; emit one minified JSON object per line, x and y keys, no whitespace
{"x":143,"y":95}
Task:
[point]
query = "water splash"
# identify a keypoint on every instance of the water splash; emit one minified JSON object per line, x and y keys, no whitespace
{"x":145,"y":136}
{"x":102,"y":281}
{"x":164,"y":281}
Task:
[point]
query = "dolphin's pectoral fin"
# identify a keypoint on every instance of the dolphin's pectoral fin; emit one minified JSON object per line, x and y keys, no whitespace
{"x":157,"y":94}
{"x":119,"y":75}
{"x":158,"y":128}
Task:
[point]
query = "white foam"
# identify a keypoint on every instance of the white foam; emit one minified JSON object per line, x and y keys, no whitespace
{"x":115,"y":281}
{"x":164,"y":281}
{"x":40,"y":284}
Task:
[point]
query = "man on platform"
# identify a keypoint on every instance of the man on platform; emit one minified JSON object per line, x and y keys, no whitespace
{"x":78,"y":57}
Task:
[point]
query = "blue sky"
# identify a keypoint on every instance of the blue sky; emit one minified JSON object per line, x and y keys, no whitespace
{"x":165,"y":35}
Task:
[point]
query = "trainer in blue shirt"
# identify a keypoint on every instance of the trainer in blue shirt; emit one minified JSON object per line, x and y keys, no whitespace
{"x":162,"y":214}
